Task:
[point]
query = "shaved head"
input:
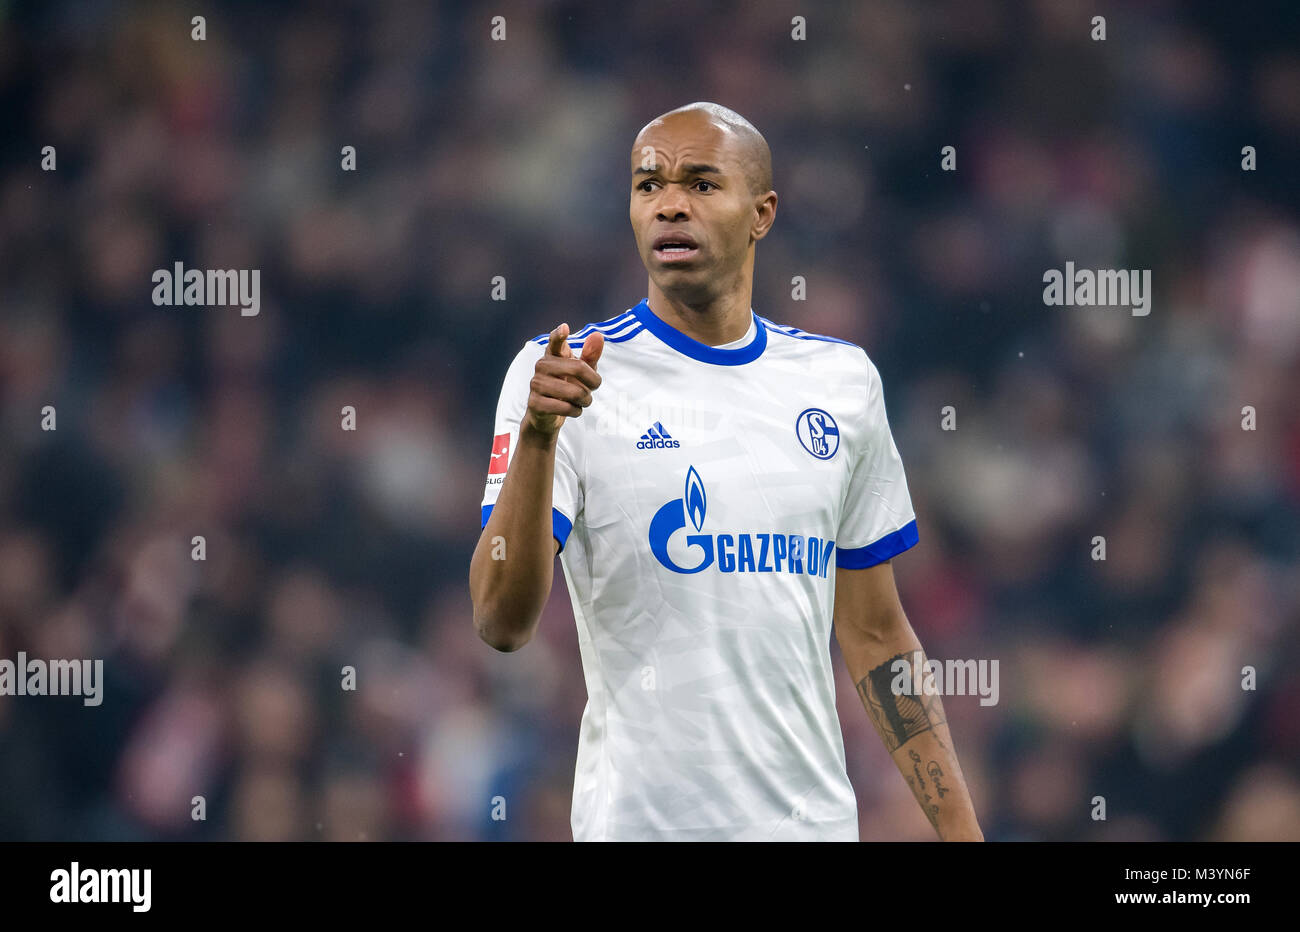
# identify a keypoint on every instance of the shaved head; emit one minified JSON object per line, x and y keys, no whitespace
{"x":750,"y":148}
{"x":701,"y":197}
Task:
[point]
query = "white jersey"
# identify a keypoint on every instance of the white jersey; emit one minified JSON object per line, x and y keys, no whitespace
{"x":702,"y":503}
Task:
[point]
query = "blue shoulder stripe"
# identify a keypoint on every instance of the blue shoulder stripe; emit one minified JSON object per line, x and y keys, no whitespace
{"x":802,"y":334}
{"x":605,"y":326}
{"x":618,"y":336}
{"x":625,"y":335}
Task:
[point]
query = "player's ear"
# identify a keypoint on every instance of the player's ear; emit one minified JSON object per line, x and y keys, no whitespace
{"x":764,"y":215}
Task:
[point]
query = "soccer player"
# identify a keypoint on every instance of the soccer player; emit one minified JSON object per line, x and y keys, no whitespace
{"x":733,"y":495}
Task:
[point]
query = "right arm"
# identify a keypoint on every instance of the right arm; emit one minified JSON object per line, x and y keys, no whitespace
{"x":511,"y":572}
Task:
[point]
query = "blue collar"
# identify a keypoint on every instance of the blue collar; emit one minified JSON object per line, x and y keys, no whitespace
{"x":693,"y":348}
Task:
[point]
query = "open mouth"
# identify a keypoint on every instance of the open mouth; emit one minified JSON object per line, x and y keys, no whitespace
{"x":676,"y":252}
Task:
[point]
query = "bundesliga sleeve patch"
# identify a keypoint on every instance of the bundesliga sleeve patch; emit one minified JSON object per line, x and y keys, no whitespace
{"x":500,"y":454}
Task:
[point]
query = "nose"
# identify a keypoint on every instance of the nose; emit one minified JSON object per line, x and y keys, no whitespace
{"x":673,"y":204}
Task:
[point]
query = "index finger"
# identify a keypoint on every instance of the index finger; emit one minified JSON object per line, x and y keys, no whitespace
{"x":558,"y":336}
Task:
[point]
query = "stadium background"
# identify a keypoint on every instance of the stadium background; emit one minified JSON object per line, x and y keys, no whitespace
{"x":477,"y":159}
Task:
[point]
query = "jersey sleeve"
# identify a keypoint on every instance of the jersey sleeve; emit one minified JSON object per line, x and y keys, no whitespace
{"x":566,"y":492}
{"x":878,"y":521}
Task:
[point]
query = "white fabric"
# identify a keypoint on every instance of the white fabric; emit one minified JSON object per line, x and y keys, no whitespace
{"x":711,"y":705}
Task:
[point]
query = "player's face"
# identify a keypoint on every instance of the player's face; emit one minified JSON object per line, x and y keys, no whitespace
{"x":688,"y":185}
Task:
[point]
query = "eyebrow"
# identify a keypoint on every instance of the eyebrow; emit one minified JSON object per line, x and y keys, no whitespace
{"x":690,"y":169}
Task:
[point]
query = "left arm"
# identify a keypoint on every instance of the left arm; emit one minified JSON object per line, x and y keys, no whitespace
{"x":873,"y":632}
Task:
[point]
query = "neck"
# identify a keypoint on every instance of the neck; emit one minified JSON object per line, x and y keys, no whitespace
{"x":717,"y":319}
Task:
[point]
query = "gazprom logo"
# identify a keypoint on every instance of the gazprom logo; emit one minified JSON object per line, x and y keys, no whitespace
{"x":694,"y":499}
{"x":736,"y":552}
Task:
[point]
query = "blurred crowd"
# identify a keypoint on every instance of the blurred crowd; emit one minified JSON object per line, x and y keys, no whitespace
{"x":329,"y":548}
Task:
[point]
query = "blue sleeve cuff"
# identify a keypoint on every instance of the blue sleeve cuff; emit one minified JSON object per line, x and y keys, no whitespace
{"x":887,"y":547}
{"x":560,"y":524}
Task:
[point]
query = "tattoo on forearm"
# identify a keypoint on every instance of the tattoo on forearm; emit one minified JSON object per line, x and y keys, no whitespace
{"x":935,"y":772}
{"x":897,"y":718}
{"x":917,"y":784}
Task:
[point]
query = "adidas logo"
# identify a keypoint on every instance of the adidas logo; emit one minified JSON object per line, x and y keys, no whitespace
{"x":656,"y":438}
